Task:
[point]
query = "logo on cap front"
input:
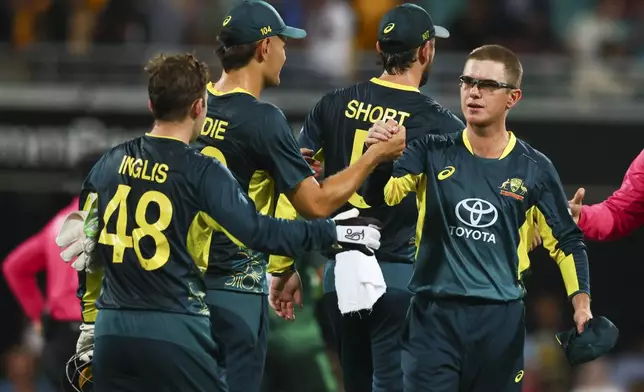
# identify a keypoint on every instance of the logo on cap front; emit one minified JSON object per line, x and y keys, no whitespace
{"x":228,"y":18}
{"x":389,"y":28}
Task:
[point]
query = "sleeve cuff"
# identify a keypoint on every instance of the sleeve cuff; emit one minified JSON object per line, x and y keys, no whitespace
{"x":571,"y":296}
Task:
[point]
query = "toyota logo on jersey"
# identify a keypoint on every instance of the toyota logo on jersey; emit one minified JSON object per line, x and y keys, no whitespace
{"x":475,"y":214}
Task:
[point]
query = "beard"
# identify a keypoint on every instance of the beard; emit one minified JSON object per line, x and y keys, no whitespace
{"x":425,"y":76}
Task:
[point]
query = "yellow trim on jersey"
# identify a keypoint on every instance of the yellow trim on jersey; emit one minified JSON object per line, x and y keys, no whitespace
{"x":212,"y":90}
{"x":526,"y":235}
{"x":199,"y":239}
{"x":508,"y":149}
{"x":421,"y":202}
{"x":261,"y":189}
{"x":399,"y":187}
{"x":284,"y":210}
{"x":92,"y":280}
{"x":218,"y":227}
{"x":393,"y":85}
{"x":565,"y":262}
{"x":319,"y":155}
{"x":164,"y":137}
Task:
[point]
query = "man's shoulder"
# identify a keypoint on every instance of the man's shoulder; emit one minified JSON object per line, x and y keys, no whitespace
{"x":236,"y":102}
{"x":447,"y":122}
{"x":533,"y":155}
{"x":199,"y":165}
{"x":437,"y":141}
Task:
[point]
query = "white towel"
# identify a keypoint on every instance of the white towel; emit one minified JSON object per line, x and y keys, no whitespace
{"x":358,"y":281}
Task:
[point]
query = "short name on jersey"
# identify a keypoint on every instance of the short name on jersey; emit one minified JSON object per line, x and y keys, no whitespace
{"x":143,"y":169}
{"x":372,"y":113}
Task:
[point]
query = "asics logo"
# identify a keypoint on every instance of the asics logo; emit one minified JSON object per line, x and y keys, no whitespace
{"x":519,"y":376}
{"x":476,"y":213}
{"x":446,"y":173}
{"x":354,"y":235}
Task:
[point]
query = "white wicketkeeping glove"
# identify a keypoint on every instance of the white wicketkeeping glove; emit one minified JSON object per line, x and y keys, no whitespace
{"x":357,"y":233}
{"x":85,"y":343}
{"x":77,"y":237}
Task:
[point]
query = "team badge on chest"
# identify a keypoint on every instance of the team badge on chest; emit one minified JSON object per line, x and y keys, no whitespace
{"x":514,"y":188}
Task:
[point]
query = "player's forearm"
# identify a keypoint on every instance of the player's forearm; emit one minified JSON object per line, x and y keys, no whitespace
{"x":581,"y":301}
{"x":579,"y":277}
{"x":291,"y":238}
{"x":336,"y":190}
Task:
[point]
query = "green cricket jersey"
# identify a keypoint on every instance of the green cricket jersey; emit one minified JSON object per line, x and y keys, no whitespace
{"x":476,"y":217}
{"x":161,"y":205}
{"x":337,"y":128}
{"x":254,"y":140}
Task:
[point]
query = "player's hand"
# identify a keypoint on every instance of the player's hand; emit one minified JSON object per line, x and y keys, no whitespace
{"x":381,"y":131}
{"x":78,"y":236}
{"x":581,"y":304}
{"x":581,"y":317}
{"x":313,"y":163}
{"x":285,"y":292}
{"x":576,"y":203}
{"x":85,"y":342}
{"x":357,"y":233}
{"x":392,"y":149}
{"x":536,"y":241}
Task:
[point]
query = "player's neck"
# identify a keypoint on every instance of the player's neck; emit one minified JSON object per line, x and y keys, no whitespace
{"x":405,"y":79}
{"x":174,"y":130}
{"x":488,"y":142}
{"x":246,"y":79}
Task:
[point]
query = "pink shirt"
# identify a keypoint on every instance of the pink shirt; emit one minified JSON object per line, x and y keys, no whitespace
{"x":622,"y":212}
{"x":40,"y":253}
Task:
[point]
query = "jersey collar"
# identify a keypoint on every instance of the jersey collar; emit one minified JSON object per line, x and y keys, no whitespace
{"x":508,"y":149}
{"x":396,"y":86}
{"x":165,"y":137}
{"x":213,"y":91}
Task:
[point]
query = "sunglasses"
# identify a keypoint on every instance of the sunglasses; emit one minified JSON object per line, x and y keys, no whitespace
{"x":483,"y":84}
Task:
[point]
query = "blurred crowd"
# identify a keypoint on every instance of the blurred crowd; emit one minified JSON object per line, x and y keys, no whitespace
{"x":595,"y":34}
{"x":591,"y":27}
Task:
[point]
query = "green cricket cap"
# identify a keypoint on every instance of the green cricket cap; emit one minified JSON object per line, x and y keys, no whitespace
{"x":252,"y":21}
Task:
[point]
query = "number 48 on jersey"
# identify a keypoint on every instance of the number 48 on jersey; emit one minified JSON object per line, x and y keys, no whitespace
{"x":120,"y":241}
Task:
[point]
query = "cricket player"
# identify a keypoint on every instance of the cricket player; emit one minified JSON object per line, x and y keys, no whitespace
{"x":478,"y":190}
{"x":159,"y":203}
{"x":255,"y":141}
{"x":336,"y":128}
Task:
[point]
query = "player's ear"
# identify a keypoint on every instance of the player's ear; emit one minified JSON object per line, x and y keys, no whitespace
{"x":426,"y":52}
{"x":263,"y":48}
{"x":513,"y":98}
{"x":197,"y":108}
{"x":378,"y":47}
{"x":150,"y":108}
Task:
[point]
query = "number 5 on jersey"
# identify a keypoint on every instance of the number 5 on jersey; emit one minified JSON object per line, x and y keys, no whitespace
{"x":121,"y":241}
{"x":356,"y":152}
